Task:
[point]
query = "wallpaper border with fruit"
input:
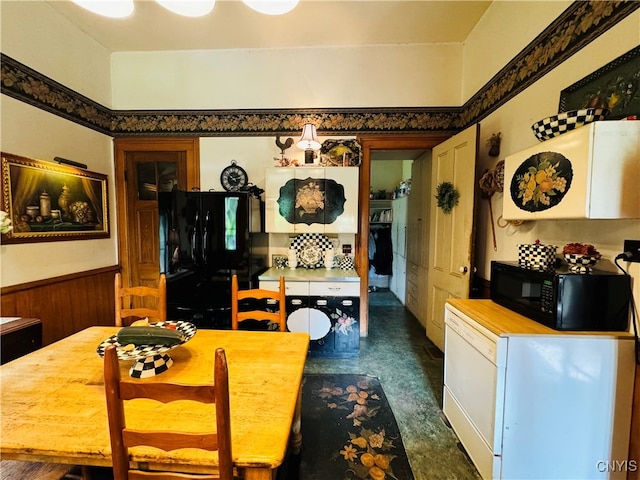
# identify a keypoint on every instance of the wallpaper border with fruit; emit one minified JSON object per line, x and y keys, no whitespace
{"x":581,"y":23}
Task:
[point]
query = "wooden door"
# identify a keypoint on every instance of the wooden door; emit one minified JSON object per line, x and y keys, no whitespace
{"x":451,"y":234}
{"x":145,"y":167}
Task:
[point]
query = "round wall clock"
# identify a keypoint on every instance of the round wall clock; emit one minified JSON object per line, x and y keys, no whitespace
{"x":233,"y":177}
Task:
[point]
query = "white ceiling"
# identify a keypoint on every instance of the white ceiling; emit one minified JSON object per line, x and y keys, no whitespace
{"x":312,"y":23}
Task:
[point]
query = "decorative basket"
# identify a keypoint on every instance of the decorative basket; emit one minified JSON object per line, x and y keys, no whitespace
{"x":563,"y":122}
{"x":536,"y":256}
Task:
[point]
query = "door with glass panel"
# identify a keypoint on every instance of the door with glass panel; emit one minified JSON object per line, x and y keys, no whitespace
{"x":145,"y":167}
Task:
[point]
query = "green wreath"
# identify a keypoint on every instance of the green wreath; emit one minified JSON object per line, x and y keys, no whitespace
{"x":447,"y":196}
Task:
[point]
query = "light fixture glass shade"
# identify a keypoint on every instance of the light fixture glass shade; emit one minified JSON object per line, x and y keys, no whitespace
{"x":107,"y":8}
{"x":272,"y":7}
{"x":309,"y":138}
{"x":188,"y":8}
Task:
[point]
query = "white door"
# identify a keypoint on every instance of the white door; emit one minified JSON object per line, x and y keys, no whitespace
{"x":450,"y":234}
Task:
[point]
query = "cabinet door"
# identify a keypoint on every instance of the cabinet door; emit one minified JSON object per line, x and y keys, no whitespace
{"x":293,"y":206}
{"x":347,"y":179}
{"x":310,"y":201}
{"x":275,"y":179}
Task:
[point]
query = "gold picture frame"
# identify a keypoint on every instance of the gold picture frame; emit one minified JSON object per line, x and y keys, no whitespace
{"x":50,"y":202}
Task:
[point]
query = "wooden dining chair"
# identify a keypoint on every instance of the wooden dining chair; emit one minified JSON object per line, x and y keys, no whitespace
{"x":132,"y":303}
{"x":122,"y":438}
{"x":256,"y":307}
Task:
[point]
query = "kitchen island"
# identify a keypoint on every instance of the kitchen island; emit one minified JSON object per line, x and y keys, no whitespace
{"x":530,"y":402}
{"x":325,"y":303}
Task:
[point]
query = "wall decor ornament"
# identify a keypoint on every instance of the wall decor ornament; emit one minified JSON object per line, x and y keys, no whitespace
{"x":447,"y":196}
{"x":615,"y":87}
{"x":541,"y":181}
{"x":311,"y":200}
{"x":340,"y":153}
{"x":49,"y":202}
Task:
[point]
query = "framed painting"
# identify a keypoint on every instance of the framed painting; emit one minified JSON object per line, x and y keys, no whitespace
{"x":50,"y":202}
{"x":615,"y":86}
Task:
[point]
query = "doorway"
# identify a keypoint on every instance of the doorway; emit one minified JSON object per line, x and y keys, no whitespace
{"x":143,"y":167}
{"x":384,"y":145}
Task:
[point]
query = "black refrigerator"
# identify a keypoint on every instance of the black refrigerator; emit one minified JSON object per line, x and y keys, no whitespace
{"x":205,"y":238}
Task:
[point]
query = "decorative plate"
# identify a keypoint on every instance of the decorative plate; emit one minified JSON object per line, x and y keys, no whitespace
{"x":144,"y":351}
{"x":314,"y":241}
{"x":341,"y":153}
{"x":310,"y":256}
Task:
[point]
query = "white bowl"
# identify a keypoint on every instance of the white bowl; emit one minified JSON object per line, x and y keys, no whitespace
{"x":563,"y":122}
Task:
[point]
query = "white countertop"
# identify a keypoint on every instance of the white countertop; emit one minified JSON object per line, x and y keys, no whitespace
{"x":310,"y":274}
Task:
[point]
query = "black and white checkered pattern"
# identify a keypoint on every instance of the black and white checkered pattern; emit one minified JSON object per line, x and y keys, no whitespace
{"x":563,"y":122}
{"x":579,"y":263}
{"x":149,"y":358}
{"x":151,"y":366}
{"x":318,"y":239}
{"x":536,"y":256}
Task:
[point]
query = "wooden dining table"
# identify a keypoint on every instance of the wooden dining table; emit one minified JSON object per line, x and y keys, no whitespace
{"x":53,"y":402}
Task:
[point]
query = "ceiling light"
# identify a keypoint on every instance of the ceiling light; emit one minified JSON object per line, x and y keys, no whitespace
{"x":188,"y":8}
{"x":108,"y":8}
{"x":272,"y":7}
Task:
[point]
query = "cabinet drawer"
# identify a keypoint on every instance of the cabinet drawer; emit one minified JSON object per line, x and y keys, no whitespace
{"x":412,"y":288}
{"x":335,"y":289}
{"x":413,"y":268}
{"x":291,"y":288}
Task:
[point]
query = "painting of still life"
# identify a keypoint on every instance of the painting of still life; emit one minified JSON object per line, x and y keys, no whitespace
{"x":50,"y":202}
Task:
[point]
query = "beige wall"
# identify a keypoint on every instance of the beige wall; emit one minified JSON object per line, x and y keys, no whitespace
{"x":33,"y":34}
{"x":514,"y":120}
{"x":378,"y":76}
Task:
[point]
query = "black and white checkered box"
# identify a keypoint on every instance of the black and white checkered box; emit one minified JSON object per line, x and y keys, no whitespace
{"x":536,"y":256}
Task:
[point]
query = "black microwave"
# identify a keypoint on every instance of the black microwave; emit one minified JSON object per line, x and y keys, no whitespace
{"x":563,"y":300}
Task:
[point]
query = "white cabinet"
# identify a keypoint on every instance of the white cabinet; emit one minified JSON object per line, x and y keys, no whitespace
{"x":590,"y":172}
{"x":312,"y":199}
{"x":538,"y":406}
{"x":399,"y":243}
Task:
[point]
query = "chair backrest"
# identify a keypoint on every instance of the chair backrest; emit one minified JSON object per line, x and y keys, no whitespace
{"x":275,"y":315}
{"x":132,"y":303}
{"x":122,"y":438}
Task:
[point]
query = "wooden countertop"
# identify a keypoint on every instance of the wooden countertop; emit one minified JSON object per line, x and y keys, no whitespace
{"x":503,"y":322}
{"x":310,"y":274}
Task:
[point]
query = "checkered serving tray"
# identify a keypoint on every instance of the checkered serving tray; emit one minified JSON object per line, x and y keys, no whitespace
{"x":563,"y":122}
{"x":145,"y":351}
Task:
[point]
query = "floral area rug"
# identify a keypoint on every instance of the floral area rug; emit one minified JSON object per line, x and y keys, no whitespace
{"x":348,"y":432}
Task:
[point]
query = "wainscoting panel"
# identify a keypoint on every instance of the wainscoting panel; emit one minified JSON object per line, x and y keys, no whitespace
{"x":65,"y":304}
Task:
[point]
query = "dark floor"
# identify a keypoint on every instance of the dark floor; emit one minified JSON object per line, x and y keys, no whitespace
{"x":410,"y":369}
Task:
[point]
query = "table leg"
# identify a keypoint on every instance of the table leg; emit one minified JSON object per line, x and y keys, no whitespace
{"x":260,"y":474}
{"x":296,"y":427}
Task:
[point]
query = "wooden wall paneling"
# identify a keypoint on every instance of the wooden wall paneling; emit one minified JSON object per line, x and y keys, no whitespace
{"x":65,"y":304}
